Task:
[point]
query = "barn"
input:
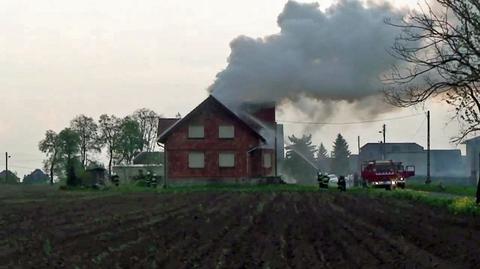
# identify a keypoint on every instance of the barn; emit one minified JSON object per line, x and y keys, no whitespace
{"x":216,"y":144}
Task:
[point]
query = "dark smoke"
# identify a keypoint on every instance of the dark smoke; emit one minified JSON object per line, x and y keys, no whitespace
{"x":339,"y":54}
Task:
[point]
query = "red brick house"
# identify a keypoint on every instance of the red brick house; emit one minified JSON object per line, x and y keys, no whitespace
{"x":214,"y":144}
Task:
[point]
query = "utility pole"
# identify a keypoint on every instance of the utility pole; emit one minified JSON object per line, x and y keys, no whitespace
{"x":165,"y":167}
{"x":276,"y":150}
{"x":359,"y":162}
{"x":478,"y":186}
{"x":383,"y":131}
{"x":428,"y":180}
{"x":358,"y":145}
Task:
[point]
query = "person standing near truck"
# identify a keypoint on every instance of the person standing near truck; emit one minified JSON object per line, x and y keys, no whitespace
{"x":342,"y":183}
{"x":478,"y":192}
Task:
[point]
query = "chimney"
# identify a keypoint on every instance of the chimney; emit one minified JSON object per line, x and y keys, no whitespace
{"x":263,"y":111}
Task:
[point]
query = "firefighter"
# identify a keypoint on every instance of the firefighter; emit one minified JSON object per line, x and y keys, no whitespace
{"x":342,"y":183}
{"x":149,"y":179}
{"x":154,"y":180}
{"x":115,"y":179}
{"x":364,"y":183}
{"x":478,"y":192}
{"x":322,"y":180}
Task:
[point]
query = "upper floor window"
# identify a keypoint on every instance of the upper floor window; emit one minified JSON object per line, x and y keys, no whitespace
{"x":226,"y":131}
{"x":196,"y":131}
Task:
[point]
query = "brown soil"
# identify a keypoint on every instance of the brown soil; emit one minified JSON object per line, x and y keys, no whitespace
{"x":234,"y":230}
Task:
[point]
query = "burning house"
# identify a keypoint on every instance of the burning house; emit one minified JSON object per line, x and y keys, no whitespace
{"x":214,"y":143}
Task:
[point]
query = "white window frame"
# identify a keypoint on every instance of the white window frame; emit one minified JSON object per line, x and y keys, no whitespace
{"x":226,"y":165}
{"x":191,"y":162}
{"x":264,"y":160}
{"x":192,"y":131}
{"x":225,"y":133}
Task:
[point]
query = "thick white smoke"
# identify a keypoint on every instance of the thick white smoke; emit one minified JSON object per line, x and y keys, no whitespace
{"x":339,"y":54}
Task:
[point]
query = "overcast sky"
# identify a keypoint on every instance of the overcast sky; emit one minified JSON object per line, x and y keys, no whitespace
{"x":61,"y":58}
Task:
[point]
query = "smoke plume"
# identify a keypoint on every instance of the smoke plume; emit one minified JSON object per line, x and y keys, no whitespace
{"x":339,"y":54}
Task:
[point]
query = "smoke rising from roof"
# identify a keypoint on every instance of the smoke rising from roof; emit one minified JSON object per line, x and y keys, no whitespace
{"x":339,"y":54}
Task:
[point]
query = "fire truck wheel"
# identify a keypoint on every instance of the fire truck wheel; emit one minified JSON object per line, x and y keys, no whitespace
{"x":401,"y":185}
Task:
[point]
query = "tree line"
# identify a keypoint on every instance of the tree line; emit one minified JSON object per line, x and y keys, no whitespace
{"x":303,"y":159}
{"x":70,"y":151}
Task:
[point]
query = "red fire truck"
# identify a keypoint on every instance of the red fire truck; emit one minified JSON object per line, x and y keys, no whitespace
{"x":386,"y":174}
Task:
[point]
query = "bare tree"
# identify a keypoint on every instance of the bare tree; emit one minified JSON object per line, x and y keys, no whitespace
{"x":87,"y":130}
{"x":109,"y":127}
{"x":441,"y":47}
{"x":148,"y":123}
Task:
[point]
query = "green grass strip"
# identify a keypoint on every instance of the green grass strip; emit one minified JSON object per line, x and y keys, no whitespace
{"x":464,"y":205}
{"x":438,"y":187}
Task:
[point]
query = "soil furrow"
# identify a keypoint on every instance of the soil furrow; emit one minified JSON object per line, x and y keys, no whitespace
{"x":235,"y":230}
{"x":443,"y":242}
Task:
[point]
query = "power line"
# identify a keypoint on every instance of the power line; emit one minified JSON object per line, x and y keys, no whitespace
{"x":28,"y":154}
{"x":349,"y":123}
{"x":28,"y":160}
{"x":22,"y":167}
{"x":419,"y":128}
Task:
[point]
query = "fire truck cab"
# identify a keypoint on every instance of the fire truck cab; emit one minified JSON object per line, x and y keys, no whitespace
{"x":386,"y":174}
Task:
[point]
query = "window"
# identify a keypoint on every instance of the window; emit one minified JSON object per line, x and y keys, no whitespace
{"x":226,"y":131}
{"x":267,"y":160}
{"x":196,"y":160}
{"x":226,"y":159}
{"x":196,"y":131}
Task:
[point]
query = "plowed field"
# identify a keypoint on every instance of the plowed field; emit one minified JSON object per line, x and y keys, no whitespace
{"x":234,"y":230}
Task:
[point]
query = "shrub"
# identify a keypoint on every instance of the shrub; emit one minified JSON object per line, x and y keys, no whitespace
{"x":461,"y":205}
{"x":464,"y":205}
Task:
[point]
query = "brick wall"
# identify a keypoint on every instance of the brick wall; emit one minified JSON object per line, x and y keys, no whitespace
{"x":178,"y":145}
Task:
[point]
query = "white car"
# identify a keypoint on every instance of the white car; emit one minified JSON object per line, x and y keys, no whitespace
{"x":333,"y":181}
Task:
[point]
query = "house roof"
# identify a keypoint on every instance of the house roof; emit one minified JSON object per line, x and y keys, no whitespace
{"x":406,"y":147}
{"x":37,"y":174}
{"x":394,"y":144}
{"x":164,"y":124}
{"x":149,"y":158}
{"x":250,"y":125}
{"x":401,"y":144}
{"x":11,"y":176}
{"x":473,"y":139}
{"x":96,"y":169}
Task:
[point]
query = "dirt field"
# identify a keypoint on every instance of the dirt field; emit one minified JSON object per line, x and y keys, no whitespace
{"x":231,"y":230}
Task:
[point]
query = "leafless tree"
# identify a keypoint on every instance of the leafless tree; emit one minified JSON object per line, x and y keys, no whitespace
{"x":440,"y":45}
